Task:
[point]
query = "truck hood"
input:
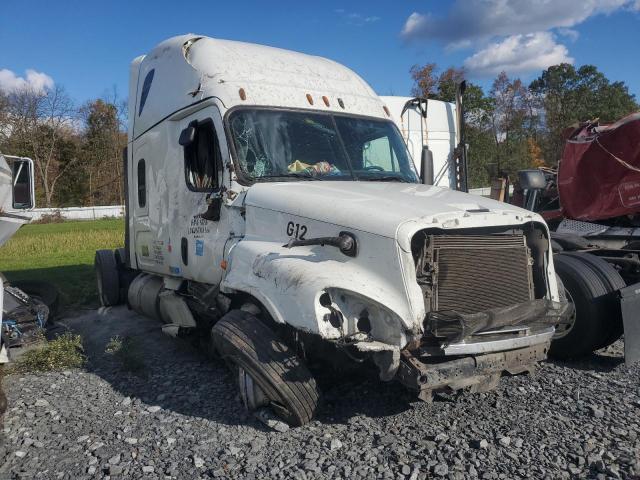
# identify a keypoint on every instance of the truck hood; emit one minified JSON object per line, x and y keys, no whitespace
{"x":381,"y":208}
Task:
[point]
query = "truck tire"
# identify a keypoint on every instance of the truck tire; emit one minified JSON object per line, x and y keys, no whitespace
{"x":585,"y":290}
{"x":247,"y":344}
{"x":125,"y":274}
{"x":613,"y":281}
{"x":121,"y":257}
{"x":107,"y":278}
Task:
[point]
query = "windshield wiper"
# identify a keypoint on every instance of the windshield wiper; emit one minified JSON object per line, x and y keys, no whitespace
{"x":385,"y":178}
{"x":303,"y":175}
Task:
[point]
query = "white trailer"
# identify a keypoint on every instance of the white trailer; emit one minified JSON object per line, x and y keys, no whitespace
{"x":272,"y":204}
{"x":427,"y":122}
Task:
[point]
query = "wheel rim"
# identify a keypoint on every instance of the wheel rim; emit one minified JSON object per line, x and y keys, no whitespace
{"x":252,"y":395}
{"x":563,"y":329}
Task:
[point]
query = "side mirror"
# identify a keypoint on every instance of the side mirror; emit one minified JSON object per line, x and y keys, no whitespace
{"x":23,"y":196}
{"x":426,"y":166}
{"x":533,"y":182}
{"x":188,"y":135}
{"x":532,"y":179}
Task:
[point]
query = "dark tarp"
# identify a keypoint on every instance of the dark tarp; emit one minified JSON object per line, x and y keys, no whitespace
{"x":599,"y":175}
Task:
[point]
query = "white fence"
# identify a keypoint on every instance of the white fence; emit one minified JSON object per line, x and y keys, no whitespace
{"x":486,"y":191}
{"x":78,"y":213}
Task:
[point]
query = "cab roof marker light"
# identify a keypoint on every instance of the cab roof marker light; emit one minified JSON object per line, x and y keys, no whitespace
{"x":243,"y":94}
{"x":309,"y":99}
{"x":325,"y":100}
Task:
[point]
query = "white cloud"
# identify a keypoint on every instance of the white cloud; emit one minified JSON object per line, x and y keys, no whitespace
{"x":37,"y":81}
{"x":470,"y":20}
{"x":357,"y":19}
{"x":570,"y":33}
{"x":514,"y":36}
{"x":518,"y":54}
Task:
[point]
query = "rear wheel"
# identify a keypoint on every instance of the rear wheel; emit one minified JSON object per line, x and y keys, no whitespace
{"x":585,"y":289}
{"x":107,"y":278}
{"x":125,"y":274}
{"x":269,"y":373}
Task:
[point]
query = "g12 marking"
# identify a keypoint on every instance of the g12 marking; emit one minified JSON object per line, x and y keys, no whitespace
{"x":296,"y":230}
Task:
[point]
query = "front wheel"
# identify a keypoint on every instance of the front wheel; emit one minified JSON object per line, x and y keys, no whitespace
{"x":586,"y":291}
{"x":269,"y":373}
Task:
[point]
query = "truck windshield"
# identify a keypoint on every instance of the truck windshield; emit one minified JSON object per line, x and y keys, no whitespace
{"x":278,"y":144}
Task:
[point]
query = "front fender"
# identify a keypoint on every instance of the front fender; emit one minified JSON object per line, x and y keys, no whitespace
{"x":289,"y":282}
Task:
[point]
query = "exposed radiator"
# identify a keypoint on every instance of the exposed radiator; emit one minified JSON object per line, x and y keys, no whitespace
{"x":472,"y":273}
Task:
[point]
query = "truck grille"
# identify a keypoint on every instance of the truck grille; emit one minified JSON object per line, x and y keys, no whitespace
{"x":472,"y":273}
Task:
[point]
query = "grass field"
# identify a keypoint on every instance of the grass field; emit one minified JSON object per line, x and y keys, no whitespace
{"x":62,"y":254}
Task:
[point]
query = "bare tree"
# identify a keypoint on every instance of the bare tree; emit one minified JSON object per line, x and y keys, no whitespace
{"x":508,"y":117}
{"x":39,"y":120}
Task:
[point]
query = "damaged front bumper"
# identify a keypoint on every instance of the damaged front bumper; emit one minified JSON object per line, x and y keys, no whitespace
{"x":476,"y":373}
{"x":471,"y":351}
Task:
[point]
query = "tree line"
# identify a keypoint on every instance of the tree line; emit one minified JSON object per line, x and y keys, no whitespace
{"x":515,"y":126}
{"x":77,"y":149}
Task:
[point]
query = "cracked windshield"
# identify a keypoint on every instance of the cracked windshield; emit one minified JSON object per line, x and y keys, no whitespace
{"x":284,"y":144}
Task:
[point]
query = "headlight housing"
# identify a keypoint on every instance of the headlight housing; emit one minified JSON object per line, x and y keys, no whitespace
{"x":363,"y":314}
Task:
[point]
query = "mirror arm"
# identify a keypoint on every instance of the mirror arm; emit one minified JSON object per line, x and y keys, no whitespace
{"x":426,"y":166}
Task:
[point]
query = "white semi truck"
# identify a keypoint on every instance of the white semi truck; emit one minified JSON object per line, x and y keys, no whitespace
{"x":272,"y":205}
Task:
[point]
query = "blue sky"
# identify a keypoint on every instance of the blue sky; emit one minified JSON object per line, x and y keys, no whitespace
{"x":86,"y":46}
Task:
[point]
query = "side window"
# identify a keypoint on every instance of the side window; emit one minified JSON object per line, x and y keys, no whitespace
{"x":378,"y":153}
{"x":146,"y":86}
{"x":142,"y":183}
{"x":202,"y":158}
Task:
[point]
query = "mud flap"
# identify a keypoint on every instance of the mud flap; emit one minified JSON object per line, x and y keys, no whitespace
{"x":630,"y":307}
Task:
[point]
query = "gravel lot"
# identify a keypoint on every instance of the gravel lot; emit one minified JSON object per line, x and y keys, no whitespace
{"x":180,"y":417}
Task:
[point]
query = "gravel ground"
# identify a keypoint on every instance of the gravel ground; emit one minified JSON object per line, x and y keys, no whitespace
{"x":180,"y":417}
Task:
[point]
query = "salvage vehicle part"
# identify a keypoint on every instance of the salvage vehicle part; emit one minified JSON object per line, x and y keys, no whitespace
{"x":23,"y":317}
{"x":44,"y":292}
{"x":268,"y":371}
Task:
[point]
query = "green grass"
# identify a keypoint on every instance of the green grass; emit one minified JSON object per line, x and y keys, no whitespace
{"x":62,"y":254}
{"x":63,"y":352}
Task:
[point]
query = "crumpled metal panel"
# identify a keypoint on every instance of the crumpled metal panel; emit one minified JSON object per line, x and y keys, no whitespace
{"x":454,"y":327}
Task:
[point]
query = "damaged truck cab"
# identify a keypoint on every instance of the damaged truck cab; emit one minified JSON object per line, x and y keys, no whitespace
{"x":272,"y":202}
